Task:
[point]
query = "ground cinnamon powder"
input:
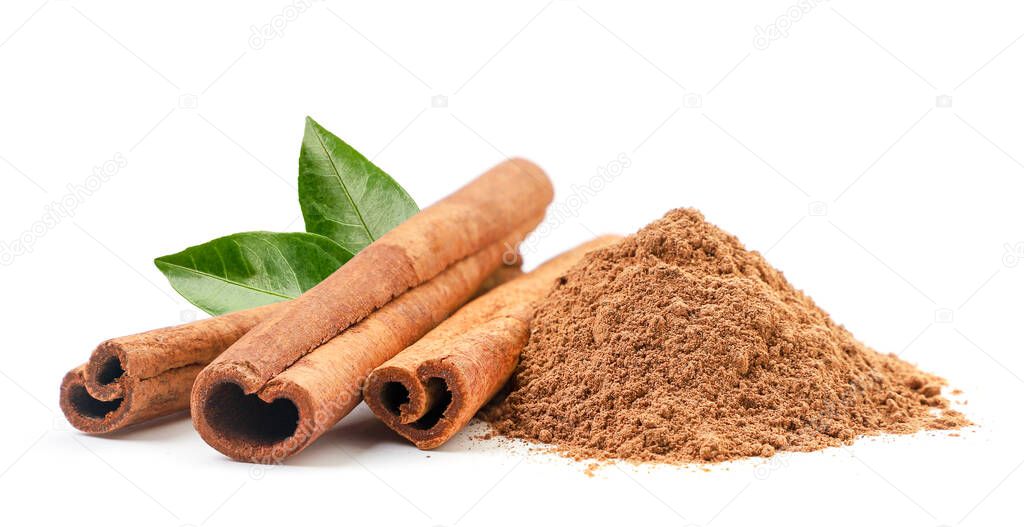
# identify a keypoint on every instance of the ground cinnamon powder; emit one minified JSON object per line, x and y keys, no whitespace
{"x":679,"y":345}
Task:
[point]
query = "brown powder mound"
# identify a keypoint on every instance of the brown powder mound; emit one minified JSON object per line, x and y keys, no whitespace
{"x":679,"y":345}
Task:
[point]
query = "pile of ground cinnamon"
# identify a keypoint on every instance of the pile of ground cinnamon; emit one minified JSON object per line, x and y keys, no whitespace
{"x":679,"y":345}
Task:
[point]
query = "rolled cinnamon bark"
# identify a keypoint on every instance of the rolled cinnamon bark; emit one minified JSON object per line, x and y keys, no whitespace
{"x":482,"y":213}
{"x":298,"y":405}
{"x":270,"y":394}
{"x":131,"y":379}
{"x":429,"y":391}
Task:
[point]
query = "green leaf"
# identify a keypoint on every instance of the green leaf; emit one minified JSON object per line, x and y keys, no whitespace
{"x":251,"y":269}
{"x":343,"y":195}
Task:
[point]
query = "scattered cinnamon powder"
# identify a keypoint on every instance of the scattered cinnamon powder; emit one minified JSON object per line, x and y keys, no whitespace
{"x":678,"y":345}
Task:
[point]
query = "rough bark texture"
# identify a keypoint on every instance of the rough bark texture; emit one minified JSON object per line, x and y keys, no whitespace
{"x":429,"y":392}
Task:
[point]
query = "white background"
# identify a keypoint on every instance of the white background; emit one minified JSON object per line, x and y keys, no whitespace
{"x":827,"y":149}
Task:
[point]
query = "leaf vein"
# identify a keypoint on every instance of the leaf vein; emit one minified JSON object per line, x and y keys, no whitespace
{"x":288,"y":264}
{"x":222,"y":279}
{"x":344,"y":187}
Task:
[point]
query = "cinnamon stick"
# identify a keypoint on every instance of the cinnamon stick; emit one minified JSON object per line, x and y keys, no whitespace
{"x":431,"y":390}
{"x":132,"y":379}
{"x":477,"y":215}
{"x":298,"y":405}
{"x":139,"y":377}
{"x":270,"y":394}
